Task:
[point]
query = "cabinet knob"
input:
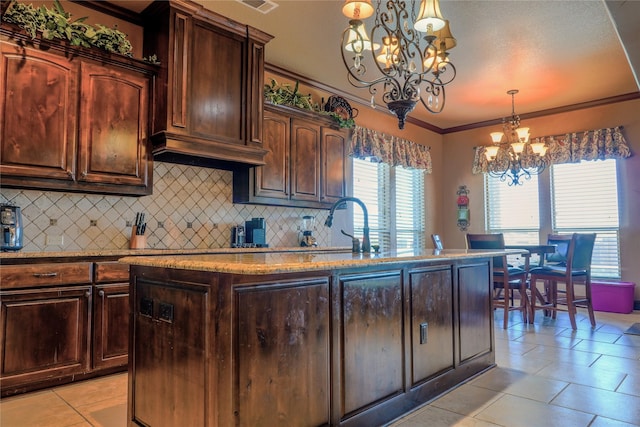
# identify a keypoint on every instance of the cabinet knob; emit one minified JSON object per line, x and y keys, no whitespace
{"x":87,"y":294}
{"x":101,"y":293}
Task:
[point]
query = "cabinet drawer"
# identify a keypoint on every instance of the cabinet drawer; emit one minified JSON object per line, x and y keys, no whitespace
{"x":26,"y":276}
{"x":111,"y":271}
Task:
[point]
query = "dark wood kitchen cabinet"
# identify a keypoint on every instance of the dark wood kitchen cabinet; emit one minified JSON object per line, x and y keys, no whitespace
{"x":45,"y":325}
{"x":210,"y":88}
{"x":352,"y":346}
{"x":62,"y":321}
{"x":110,"y":315}
{"x":284,"y":324}
{"x":73,"y":120}
{"x":305,"y":164}
{"x":431,"y":322}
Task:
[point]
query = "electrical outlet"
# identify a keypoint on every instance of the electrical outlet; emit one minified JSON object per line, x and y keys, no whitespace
{"x":54,"y":240}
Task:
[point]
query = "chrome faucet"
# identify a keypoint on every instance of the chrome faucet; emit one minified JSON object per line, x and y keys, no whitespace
{"x":366,"y":243}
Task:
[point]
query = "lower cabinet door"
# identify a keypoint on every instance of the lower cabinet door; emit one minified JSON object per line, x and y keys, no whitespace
{"x":432,"y":333}
{"x":372,"y":339}
{"x":111,"y":325}
{"x":283,"y":354}
{"x":171,"y":327}
{"x":45,"y":334}
{"x":475,"y":311}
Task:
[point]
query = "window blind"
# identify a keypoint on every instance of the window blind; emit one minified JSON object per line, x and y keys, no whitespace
{"x":409,"y":209}
{"x":513,"y":210}
{"x":371,"y":184}
{"x":585,"y":200}
{"x":395,"y":201}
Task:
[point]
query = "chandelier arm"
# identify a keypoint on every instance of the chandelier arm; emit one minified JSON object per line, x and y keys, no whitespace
{"x":407,"y":71}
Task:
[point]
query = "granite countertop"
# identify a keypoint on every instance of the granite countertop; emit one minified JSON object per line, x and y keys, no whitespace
{"x":288,"y":262}
{"x":158,"y":252}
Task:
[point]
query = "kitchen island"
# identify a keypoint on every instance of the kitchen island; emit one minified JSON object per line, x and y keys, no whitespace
{"x":303,"y":339}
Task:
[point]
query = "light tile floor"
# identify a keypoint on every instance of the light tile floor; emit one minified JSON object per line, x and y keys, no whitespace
{"x":547,"y":375}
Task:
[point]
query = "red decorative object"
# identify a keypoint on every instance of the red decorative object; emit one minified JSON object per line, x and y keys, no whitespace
{"x":463,"y":207}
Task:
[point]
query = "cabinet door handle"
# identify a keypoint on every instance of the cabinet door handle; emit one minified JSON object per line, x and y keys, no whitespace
{"x":101,"y":293}
{"x":54,"y":274}
{"x":87,"y":294}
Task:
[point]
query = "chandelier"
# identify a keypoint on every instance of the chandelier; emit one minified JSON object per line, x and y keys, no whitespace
{"x":516,"y":158}
{"x":408,"y":54}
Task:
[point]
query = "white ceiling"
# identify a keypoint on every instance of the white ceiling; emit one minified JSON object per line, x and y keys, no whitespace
{"x":557,"y":53}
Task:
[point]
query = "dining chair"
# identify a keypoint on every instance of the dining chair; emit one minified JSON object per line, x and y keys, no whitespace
{"x":437,"y":242}
{"x":506,"y":278}
{"x":571,"y":264}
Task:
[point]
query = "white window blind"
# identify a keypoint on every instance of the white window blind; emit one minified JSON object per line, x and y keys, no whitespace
{"x":409,"y":208}
{"x":371,"y":184}
{"x":585,"y":200}
{"x":513,"y":210}
{"x":395,"y":202}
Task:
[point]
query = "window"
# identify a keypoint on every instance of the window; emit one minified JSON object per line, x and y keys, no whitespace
{"x":513,"y":210}
{"x":395,"y":202}
{"x":584,"y":198}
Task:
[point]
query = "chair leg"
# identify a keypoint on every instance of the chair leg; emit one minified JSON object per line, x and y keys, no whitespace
{"x":524,"y":301}
{"x":587,"y":289}
{"x":507,"y":292}
{"x":571,"y":307}
{"x":532,"y":300}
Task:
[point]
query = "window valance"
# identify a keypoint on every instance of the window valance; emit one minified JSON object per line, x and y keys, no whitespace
{"x":599,"y":144}
{"x":383,"y":148}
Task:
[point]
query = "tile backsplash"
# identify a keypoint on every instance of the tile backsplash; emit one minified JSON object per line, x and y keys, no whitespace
{"x":190,"y":208}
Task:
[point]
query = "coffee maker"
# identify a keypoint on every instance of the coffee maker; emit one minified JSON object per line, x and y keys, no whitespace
{"x":308,"y":224}
{"x":11,"y":224}
{"x":256,"y":233}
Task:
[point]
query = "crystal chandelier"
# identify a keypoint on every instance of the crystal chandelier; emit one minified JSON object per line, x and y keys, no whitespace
{"x":408,"y":53}
{"x":516,"y":158}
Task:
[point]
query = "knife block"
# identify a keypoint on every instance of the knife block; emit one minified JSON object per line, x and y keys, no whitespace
{"x":137,"y":242}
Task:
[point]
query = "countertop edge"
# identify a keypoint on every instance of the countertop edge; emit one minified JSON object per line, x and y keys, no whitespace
{"x":300,"y":262}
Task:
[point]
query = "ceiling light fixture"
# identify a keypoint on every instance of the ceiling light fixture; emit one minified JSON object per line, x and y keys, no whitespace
{"x":409,"y":53}
{"x":516,"y":158}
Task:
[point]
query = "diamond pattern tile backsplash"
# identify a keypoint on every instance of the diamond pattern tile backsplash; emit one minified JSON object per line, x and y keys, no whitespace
{"x":182,"y":196}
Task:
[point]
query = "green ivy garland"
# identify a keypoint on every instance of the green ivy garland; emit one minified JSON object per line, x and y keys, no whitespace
{"x":284,"y":94}
{"x":56,"y":23}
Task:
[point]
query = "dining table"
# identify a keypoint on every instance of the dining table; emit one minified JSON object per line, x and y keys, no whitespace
{"x":540,"y":249}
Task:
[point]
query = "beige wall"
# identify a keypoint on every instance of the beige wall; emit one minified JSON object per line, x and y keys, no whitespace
{"x":458,"y":156}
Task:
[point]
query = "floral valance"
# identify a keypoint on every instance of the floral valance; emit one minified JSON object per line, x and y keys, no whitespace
{"x":599,"y":144}
{"x":383,"y":148}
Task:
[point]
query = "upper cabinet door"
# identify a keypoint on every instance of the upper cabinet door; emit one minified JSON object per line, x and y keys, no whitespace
{"x":38,"y":98}
{"x":217,"y":92}
{"x":305,"y":160}
{"x":272,"y":179}
{"x":113,"y":126}
{"x":334,"y":148}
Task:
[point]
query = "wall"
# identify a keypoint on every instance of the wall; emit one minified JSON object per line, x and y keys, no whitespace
{"x":181,"y":194}
{"x":458,"y":157}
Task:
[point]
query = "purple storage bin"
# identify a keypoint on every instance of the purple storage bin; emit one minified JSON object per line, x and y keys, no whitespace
{"x":613,"y":297}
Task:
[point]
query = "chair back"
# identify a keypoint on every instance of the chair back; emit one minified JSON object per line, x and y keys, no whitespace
{"x":582,"y":251}
{"x":561,"y":242}
{"x":488,"y":241}
{"x":437,"y":242}
{"x":573,"y":250}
